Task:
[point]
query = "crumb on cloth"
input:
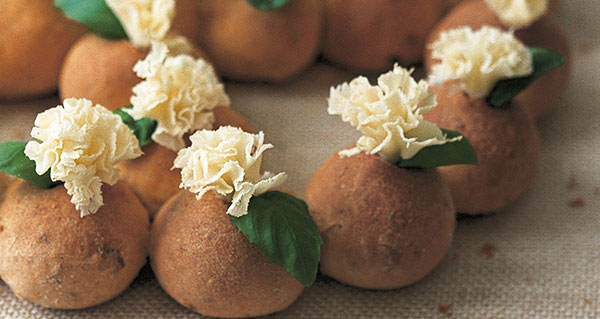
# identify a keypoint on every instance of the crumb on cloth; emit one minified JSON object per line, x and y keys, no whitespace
{"x":488,"y":250}
{"x":572,"y":183}
{"x":577,"y":202}
{"x":445,"y":309}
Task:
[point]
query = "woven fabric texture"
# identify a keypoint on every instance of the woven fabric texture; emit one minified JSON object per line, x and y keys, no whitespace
{"x":539,"y":259}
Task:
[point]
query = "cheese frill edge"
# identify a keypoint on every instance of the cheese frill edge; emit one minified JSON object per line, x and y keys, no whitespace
{"x":389,"y":115}
{"x":179,"y":92}
{"x":518,"y":13}
{"x":144,"y":21}
{"x":80,"y":144}
{"x":477,"y":60}
{"x":226,"y":161}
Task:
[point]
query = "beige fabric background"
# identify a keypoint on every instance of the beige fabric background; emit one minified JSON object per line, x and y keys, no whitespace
{"x":543,"y":256}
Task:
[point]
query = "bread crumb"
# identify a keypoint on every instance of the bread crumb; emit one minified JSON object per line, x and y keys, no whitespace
{"x":572,"y":183}
{"x":446,"y":309}
{"x":488,"y":250}
{"x":576,"y":202}
{"x":588,"y":301}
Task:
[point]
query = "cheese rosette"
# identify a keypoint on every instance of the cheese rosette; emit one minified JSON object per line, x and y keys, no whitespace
{"x":518,"y":13}
{"x":226,"y":161}
{"x":390,"y":115}
{"x":144,"y":21}
{"x":477,"y":60}
{"x":80,"y":144}
{"x":179,"y":92}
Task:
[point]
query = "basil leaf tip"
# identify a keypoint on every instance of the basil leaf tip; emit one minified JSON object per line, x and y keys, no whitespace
{"x":268,"y":5}
{"x":451,"y":153}
{"x":142,"y":128}
{"x":13,"y":161}
{"x":283,"y":230}
{"x":94,"y":15}
{"x":543,"y":61}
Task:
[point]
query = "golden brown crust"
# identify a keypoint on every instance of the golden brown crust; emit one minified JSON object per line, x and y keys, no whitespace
{"x":507,"y":147}
{"x":378,"y":33}
{"x":100,"y":70}
{"x":51,"y":256}
{"x":251,"y":45}
{"x":4,"y":182}
{"x":205,"y":263}
{"x":150,"y":176}
{"x":35,"y":40}
{"x":546,"y":91}
{"x":226,"y":116}
{"x":186,"y":21}
{"x":383,"y":227}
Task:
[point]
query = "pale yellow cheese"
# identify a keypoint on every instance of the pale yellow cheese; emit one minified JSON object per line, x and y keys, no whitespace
{"x":80,"y":143}
{"x":390,"y":115}
{"x":180,"y":92}
{"x":518,"y":13}
{"x":144,"y":21}
{"x":479,"y":59}
{"x":226,"y":161}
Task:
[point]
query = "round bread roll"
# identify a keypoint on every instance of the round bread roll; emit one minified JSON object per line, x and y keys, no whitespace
{"x":35,"y":40}
{"x":51,"y":256}
{"x":150,"y":176}
{"x":383,"y":227}
{"x":507,"y":147}
{"x":101,"y":70}
{"x":206,"y":264}
{"x":247,"y":44}
{"x":370,"y":38}
{"x":544,"y":94}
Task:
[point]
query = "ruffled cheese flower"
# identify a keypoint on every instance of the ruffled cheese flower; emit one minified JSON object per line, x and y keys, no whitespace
{"x":144,"y":20}
{"x":390,"y":115}
{"x":518,"y":13}
{"x":479,"y":59}
{"x":80,"y":143}
{"x":226,"y":161}
{"x":179,"y":92}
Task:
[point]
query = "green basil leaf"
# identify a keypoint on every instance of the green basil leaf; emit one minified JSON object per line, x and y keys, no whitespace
{"x":459,"y":152}
{"x":268,"y":5}
{"x":543,"y":61}
{"x":13,"y":161}
{"x":95,"y":15}
{"x":142,"y":128}
{"x":282,"y":229}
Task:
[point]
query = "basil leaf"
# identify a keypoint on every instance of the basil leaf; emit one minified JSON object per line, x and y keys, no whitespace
{"x":459,"y":152}
{"x":142,"y":128}
{"x":543,"y":61}
{"x":282,"y":229}
{"x":95,"y":15}
{"x":13,"y":161}
{"x":268,"y":5}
